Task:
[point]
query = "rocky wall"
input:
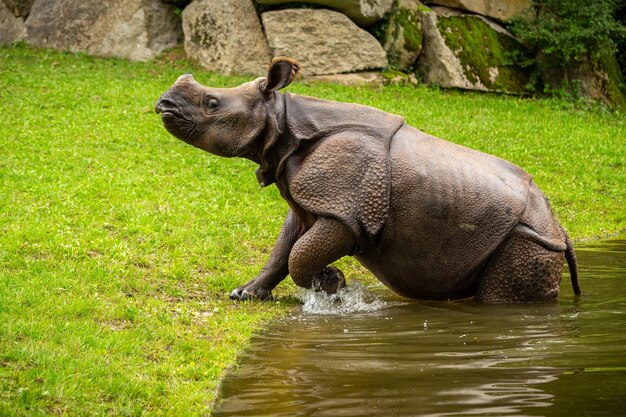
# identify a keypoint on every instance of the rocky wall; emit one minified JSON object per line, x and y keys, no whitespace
{"x":451,"y":43}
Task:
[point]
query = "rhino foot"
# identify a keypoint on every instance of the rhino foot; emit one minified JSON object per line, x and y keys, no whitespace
{"x":244,"y":293}
{"x":330,"y":280}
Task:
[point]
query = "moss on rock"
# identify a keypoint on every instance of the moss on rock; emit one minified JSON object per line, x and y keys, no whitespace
{"x":401,"y":33}
{"x":598,"y":80}
{"x":408,"y":22}
{"x":614,"y":84}
{"x":490,"y":58}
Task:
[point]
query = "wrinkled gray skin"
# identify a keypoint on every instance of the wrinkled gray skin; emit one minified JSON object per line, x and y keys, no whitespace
{"x":429,"y":218}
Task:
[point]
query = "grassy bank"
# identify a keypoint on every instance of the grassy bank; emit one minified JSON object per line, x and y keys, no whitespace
{"x":118,"y":243}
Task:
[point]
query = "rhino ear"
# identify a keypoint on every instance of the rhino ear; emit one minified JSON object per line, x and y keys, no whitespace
{"x":281,"y":73}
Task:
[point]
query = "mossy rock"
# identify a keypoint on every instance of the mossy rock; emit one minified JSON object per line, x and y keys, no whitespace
{"x":395,"y":77}
{"x":401,"y":33}
{"x":597,"y":80}
{"x":614,"y":83}
{"x":487,"y":56}
{"x":476,"y":53}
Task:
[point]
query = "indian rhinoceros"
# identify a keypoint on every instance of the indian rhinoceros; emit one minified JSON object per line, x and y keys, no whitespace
{"x":429,"y":218}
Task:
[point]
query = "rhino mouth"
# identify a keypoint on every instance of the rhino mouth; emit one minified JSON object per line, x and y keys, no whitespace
{"x":167,"y":108}
{"x":174,"y":120}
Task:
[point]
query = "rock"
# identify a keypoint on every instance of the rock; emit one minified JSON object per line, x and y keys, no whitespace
{"x":599,"y":80}
{"x":471,"y":52}
{"x":402,"y":33}
{"x":324,"y":41}
{"x":19,"y":8}
{"x":226,"y":36}
{"x":610,"y":83}
{"x":362,"y":12}
{"x":503,"y":10}
{"x":351,"y":79}
{"x":12,"y":28}
{"x":133,"y":29}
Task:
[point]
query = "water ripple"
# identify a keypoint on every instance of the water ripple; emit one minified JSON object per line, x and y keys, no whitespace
{"x":361,"y":353}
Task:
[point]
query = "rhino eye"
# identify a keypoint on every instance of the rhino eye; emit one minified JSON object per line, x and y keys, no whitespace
{"x":211,"y":104}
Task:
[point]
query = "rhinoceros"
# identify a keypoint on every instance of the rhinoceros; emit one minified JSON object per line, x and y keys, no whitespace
{"x":429,"y":218}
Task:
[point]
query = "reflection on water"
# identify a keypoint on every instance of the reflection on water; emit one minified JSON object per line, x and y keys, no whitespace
{"x":447,"y":358}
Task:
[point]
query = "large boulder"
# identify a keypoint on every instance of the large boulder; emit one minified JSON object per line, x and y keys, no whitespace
{"x":503,"y":10}
{"x":20,"y":8}
{"x":471,"y":52}
{"x":12,"y":28}
{"x":226,"y":36}
{"x":599,"y":80}
{"x":324,"y":41}
{"x":401,"y":33}
{"x":370,"y":78}
{"x":362,"y":12}
{"x":133,"y":29}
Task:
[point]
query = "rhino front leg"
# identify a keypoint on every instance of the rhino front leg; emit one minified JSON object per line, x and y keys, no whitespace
{"x":327,"y":241}
{"x":276,"y":269}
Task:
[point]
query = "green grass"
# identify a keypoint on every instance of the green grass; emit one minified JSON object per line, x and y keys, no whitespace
{"x":119,"y":243}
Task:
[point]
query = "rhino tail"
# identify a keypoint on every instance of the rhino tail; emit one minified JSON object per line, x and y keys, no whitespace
{"x":557,"y":246}
{"x":570,"y":256}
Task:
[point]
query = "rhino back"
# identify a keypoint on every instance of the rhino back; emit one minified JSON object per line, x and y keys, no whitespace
{"x":309,"y":118}
{"x":450,"y":207}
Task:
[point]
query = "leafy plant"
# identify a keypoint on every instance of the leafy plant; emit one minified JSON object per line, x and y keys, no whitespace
{"x":563,"y":31}
{"x":621,"y":43}
{"x":575,"y":44}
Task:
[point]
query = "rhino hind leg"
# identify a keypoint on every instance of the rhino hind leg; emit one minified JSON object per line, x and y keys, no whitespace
{"x":521,"y":270}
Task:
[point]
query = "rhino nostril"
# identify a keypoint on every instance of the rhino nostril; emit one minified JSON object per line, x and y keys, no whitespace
{"x":163,"y":105}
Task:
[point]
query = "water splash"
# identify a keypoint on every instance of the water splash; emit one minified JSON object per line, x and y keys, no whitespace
{"x":354,"y":298}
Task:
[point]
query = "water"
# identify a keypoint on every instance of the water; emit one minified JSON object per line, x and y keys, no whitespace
{"x":355,"y":298}
{"x":387,"y":357}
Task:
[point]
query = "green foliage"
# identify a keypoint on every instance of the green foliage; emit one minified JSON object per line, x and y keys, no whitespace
{"x":575,"y":43}
{"x":564,"y":31}
{"x":621,"y":42}
{"x":119,"y":243}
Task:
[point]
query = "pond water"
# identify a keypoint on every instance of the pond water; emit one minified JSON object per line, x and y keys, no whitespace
{"x":383,"y":356}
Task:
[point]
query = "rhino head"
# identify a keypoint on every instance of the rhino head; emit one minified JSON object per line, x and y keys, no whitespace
{"x":226,"y":122}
